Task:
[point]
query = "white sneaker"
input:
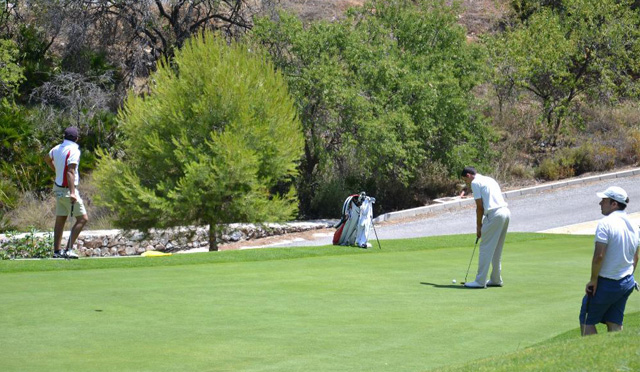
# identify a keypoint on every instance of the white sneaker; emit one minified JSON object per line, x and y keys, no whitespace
{"x":492,"y":284}
{"x":474,"y":284}
{"x":70,"y":255}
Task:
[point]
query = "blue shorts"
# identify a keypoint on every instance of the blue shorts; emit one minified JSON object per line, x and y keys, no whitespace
{"x":609,"y":301}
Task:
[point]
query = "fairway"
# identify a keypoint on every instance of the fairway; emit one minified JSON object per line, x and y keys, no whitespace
{"x":293,"y":309}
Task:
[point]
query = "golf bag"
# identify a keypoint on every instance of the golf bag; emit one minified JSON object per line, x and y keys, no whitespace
{"x":356,"y":221}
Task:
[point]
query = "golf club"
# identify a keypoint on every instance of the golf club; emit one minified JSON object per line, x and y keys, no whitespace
{"x":472,"y":254}
{"x":375,"y":232}
{"x":586,"y":313}
{"x":66,"y":253}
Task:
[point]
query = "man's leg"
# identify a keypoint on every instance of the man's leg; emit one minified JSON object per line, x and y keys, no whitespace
{"x":57,"y":232}
{"x":613,"y":327}
{"x":62,"y":211}
{"x":588,"y":329}
{"x":496,"y":262}
{"x":615,"y":315}
{"x":490,"y":236}
{"x":77,"y":228}
{"x":588,"y":308}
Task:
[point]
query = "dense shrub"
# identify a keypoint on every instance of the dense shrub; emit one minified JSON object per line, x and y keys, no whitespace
{"x":550,"y":170}
{"x":29,"y":245}
{"x":31,"y":211}
{"x":388,"y":91}
{"x":37,"y":210}
{"x":633,"y":149}
{"x":38,"y":63}
{"x":26,"y":135}
{"x":21,"y":151}
{"x":569,"y":162}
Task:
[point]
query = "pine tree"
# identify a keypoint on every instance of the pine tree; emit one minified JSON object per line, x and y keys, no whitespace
{"x":209,"y":145}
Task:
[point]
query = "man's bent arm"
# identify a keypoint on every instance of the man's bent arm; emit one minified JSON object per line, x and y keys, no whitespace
{"x":596,"y":265}
{"x":49,"y":161}
{"x":479,"y":216}
{"x":71,"y":179}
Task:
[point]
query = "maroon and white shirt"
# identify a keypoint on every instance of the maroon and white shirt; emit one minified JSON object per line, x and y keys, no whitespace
{"x":65,"y":155}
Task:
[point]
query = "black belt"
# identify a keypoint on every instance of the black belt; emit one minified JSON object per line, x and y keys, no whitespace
{"x":614,"y":280}
{"x":62,"y":187}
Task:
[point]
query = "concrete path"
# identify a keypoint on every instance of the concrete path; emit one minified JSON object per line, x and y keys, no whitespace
{"x":585,"y":228}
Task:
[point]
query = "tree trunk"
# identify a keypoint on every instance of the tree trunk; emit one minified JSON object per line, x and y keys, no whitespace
{"x":213,"y":244}
{"x":556,"y":129}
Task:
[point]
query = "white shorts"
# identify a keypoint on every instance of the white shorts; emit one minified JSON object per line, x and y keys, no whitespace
{"x":63,"y":202}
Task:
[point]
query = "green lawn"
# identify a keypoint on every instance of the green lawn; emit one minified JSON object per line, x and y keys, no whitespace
{"x":292,"y":309}
{"x":569,"y":352}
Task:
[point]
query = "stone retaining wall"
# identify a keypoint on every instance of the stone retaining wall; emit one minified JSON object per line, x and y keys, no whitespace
{"x":129,"y":243}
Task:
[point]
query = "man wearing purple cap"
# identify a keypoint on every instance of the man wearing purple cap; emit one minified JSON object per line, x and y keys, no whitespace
{"x":63,"y":159}
{"x":615,"y":258}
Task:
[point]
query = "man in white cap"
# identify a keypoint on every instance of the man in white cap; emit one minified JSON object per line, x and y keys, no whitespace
{"x":63,"y":159}
{"x":492,"y":221}
{"x":615,"y":258}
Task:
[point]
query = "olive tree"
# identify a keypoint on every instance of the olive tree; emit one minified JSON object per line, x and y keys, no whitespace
{"x":579,"y":48}
{"x":385,"y":100}
{"x":216,"y":141}
{"x":147,"y":31}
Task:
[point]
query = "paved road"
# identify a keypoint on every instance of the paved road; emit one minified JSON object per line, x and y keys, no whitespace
{"x":533,"y":212}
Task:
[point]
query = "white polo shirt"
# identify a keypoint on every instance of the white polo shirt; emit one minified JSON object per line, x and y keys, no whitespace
{"x":64,"y":155}
{"x":621,"y":237}
{"x":488,"y":189}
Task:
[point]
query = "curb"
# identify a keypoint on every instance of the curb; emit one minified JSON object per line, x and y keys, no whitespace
{"x":459,"y":202}
{"x":115,"y":242}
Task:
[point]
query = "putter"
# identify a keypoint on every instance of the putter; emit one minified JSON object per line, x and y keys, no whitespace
{"x":66,"y":256}
{"x":468,"y":267}
{"x":586,"y":314}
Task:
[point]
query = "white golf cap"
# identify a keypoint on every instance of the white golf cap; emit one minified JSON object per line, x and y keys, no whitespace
{"x":615,"y":193}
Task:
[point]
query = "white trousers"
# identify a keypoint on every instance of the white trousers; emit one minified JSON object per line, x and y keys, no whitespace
{"x":494,"y":231}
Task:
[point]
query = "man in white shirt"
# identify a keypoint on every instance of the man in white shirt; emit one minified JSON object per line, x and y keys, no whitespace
{"x":492,"y":221}
{"x":614,"y":261}
{"x":63,"y":159}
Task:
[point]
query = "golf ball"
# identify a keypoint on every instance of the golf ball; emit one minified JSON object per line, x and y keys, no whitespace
{"x":453,"y":281}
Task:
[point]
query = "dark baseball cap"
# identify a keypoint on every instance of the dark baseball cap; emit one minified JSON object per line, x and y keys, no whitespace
{"x":71,"y":133}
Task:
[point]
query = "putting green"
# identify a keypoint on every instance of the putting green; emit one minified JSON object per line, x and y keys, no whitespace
{"x":373,"y":310}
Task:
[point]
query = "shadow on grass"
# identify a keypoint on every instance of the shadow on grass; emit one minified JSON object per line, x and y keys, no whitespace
{"x":453,"y":286}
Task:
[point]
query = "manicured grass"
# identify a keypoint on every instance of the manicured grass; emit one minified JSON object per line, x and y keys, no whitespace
{"x":618,"y":351}
{"x":311,"y":309}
